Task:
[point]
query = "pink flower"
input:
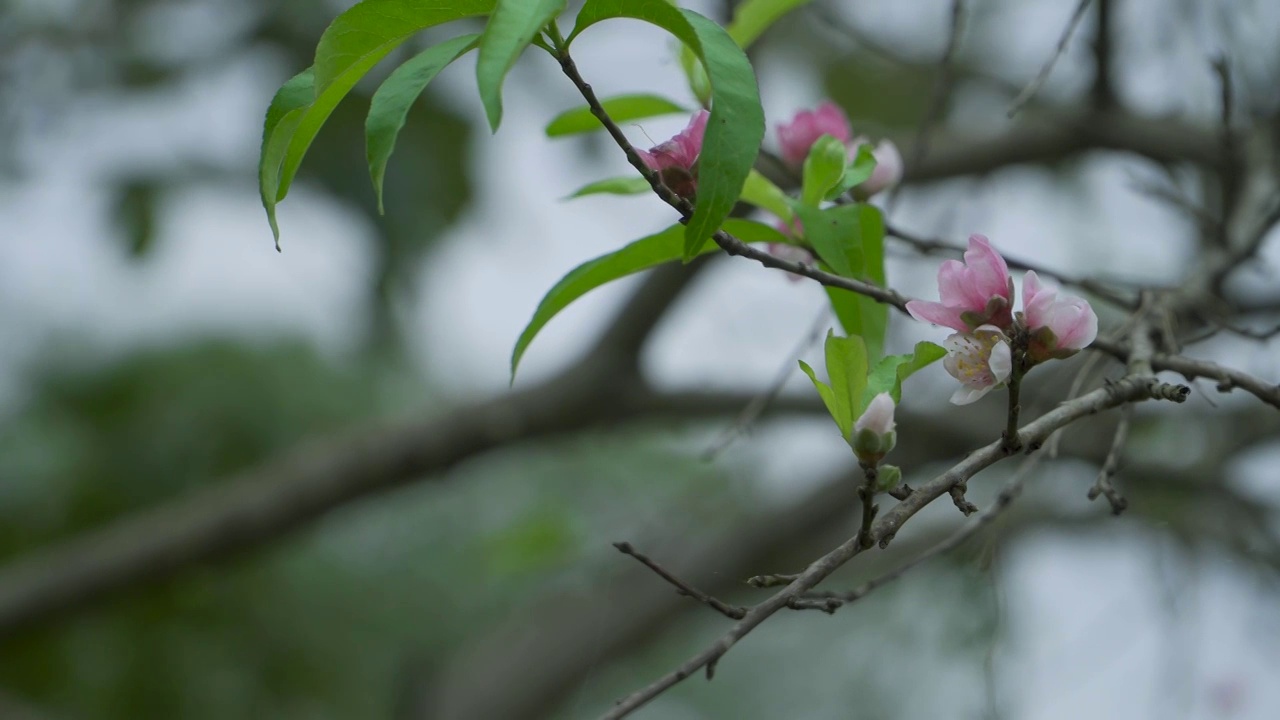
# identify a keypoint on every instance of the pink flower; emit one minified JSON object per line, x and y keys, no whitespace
{"x":797,"y":136}
{"x":873,"y":434}
{"x":888,"y":170}
{"x":676,"y":159}
{"x":980,"y":360}
{"x":1058,"y":326}
{"x":976,"y":292}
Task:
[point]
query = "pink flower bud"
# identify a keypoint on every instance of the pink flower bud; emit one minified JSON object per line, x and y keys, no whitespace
{"x":888,"y":172}
{"x":1059,"y":326}
{"x":980,"y":360}
{"x":878,"y":417}
{"x":976,"y":292}
{"x":873,"y":433}
{"x":676,"y":159}
{"x":797,"y":136}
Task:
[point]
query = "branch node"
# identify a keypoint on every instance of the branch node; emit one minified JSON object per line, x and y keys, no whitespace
{"x":957,"y":496}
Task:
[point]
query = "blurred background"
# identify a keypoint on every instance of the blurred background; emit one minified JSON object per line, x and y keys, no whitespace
{"x":153,"y":344}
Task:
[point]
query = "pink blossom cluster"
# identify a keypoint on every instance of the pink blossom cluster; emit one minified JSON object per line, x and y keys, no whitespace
{"x":976,"y":300}
{"x":676,"y":160}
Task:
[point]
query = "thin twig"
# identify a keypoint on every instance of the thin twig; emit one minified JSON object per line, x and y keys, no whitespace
{"x":1103,"y":92}
{"x":761,"y":402}
{"x":932,"y":246}
{"x":730,"y":611}
{"x":1031,"y":89}
{"x":1125,"y":390}
{"x":941,"y":86}
{"x":1103,"y":485}
{"x":1229,"y":173}
{"x":1190,"y":368}
{"x":829,"y":601}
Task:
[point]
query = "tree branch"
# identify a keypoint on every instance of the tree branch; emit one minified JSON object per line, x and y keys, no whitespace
{"x":1126,"y":390}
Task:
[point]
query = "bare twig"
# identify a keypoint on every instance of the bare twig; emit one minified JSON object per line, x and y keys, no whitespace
{"x":1103,"y":485}
{"x":1190,"y":368}
{"x":730,"y":611}
{"x":829,"y":601}
{"x":931,"y":246}
{"x":1103,"y":92}
{"x":1128,"y":389}
{"x":1230,"y":171}
{"x":1034,"y":86}
{"x":941,"y":85}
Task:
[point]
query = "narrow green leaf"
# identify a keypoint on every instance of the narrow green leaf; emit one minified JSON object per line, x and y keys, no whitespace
{"x":762,"y":193}
{"x":736,"y":125}
{"x":642,"y":254}
{"x":828,"y":397}
{"x":823,"y":167}
{"x":351,"y":45}
{"x":282,"y":118}
{"x":622,"y":108}
{"x":629,"y":185}
{"x":857,"y":172}
{"x":512,"y":26}
{"x":891,"y":371}
{"x":753,"y":17}
{"x":390,"y":104}
{"x":847,"y":369}
{"x":875,"y":315}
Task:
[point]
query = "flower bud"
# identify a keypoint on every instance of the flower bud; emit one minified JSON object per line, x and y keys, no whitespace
{"x":888,"y":477}
{"x":873,"y":433}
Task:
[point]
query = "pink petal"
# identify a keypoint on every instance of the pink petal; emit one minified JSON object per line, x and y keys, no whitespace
{"x":937,"y":313}
{"x":990,"y":273}
{"x":965,"y":394}
{"x":1037,"y":299}
{"x":829,"y":119}
{"x":878,"y":417}
{"x":1001,"y":361}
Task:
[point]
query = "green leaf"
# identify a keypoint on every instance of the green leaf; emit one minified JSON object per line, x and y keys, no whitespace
{"x":847,"y":369}
{"x":736,"y":125}
{"x":753,"y":17}
{"x":888,"y":374}
{"x":629,"y":185}
{"x":858,"y":171}
{"x":828,"y":397}
{"x":762,"y":193}
{"x":642,"y":254}
{"x":850,"y":240}
{"x":835,"y":234}
{"x":823,"y":167}
{"x":622,"y":108}
{"x":512,"y":26}
{"x":351,"y":45}
{"x":282,"y":119}
{"x":390,"y":104}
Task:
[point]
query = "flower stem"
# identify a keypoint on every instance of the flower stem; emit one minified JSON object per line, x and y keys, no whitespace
{"x":1013,"y":443}
{"x":867,"y":494}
